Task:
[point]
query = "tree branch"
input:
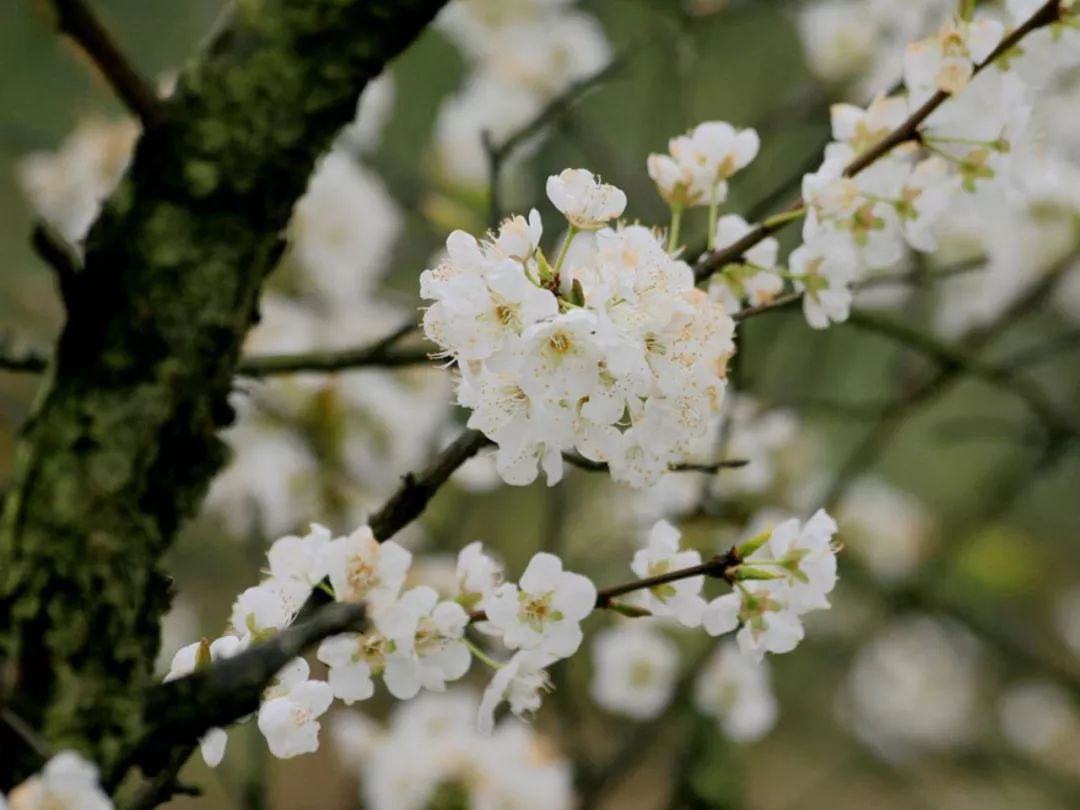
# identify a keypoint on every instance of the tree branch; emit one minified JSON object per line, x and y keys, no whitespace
{"x":179,"y":712}
{"x":78,"y":21}
{"x":417,"y":490}
{"x":123,"y":440}
{"x":907,"y":131}
{"x":383,"y":353}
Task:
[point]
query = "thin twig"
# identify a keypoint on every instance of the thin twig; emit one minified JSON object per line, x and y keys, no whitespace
{"x":77,"y":20}
{"x":719,"y":566}
{"x":579,"y":461}
{"x":551,"y":113}
{"x":382,"y":353}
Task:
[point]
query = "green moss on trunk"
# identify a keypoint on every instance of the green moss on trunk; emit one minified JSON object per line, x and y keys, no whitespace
{"x":122,"y":442}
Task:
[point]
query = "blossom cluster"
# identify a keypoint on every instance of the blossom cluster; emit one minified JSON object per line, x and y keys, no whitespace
{"x":416,"y":638}
{"x":609,"y":350}
{"x":866,"y":207}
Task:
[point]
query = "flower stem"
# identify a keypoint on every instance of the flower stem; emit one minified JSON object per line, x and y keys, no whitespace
{"x":481,"y":656}
{"x":570,"y":234}
{"x":784,"y":217}
{"x":673,"y":231}
{"x":713,"y":206}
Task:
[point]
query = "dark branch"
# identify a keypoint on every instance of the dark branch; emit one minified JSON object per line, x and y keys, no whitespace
{"x":21,"y":361}
{"x":383,"y":353}
{"x":60,"y":256}
{"x":179,"y":712}
{"x":588,"y":464}
{"x":76,"y":19}
{"x":417,"y":490}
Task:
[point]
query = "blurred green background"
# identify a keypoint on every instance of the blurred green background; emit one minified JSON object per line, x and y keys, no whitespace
{"x":743,"y":65}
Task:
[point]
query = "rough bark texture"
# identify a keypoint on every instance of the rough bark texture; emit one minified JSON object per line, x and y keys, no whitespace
{"x":121,"y":444}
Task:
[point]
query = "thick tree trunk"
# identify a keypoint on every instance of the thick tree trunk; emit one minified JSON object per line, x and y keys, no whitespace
{"x":122,"y":442}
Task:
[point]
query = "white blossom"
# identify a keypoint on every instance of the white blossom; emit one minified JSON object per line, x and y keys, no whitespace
{"x":585,"y":202}
{"x":544,"y":610}
{"x":680,"y":599}
{"x":914,"y":687}
{"x":477,"y":574}
{"x":521,"y":682}
{"x":427,"y":649}
{"x":634,"y":671}
{"x":363,"y":570}
{"x":290,"y":722}
{"x":735,"y":689}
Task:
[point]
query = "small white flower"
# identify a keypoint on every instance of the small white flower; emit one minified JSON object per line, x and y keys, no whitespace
{"x":824,"y":269}
{"x":187,"y":660}
{"x":680,"y":599}
{"x":353,"y":659}
{"x":634,"y":671}
{"x":735,"y":690}
{"x":363,"y":570}
{"x":544,"y":610}
{"x":586,"y":203}
{"x":290,"y":723}
{"x":807,"y":558}
{"x":264,"y":609}
{"x":68,"y":782}
{"x":521,"y":682}
{"x":946,"y":61}
{"x":301,"y":558}
{"x":426,"y":643}
{"x":768,"y":625}
{"x":478,"y":574}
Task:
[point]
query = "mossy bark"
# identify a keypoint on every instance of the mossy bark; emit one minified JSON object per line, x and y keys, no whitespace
{"x":122,"y":442}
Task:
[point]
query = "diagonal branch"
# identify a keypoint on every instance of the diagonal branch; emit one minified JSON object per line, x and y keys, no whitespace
{"x":77,"y":20}
{"x":1048,"y":13}
{"x":179,"y":712}
{"x":383,"y":353}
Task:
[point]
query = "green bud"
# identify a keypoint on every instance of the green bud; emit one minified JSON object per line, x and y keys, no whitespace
{"x":577,"y":294}
{"x":632,"y":611}
{"x":748,"y":547}
{"x":749,"y":572}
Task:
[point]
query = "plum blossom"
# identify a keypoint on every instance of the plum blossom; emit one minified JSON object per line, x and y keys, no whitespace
{"x":768,"y":624}
{"x":823,"y":270}
{"x":699,"y":163}
{"x":680,"y":599}
{"x":544,"y":610}
{"x":363,"y":570}
{"x":785,"y":572}
{"x":290,"y":722}
{"x":753,"y":281}
{"x":477,"y":574}
{"x":427,"y":644}
{"x":734,"y":689}
{"x":301,"y":559}
{"x":520,"y":682}
{"x":610,"y":351}
{"x":947,"y":60}
{"x":634,"y":671}
{"x":585,"y":202}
